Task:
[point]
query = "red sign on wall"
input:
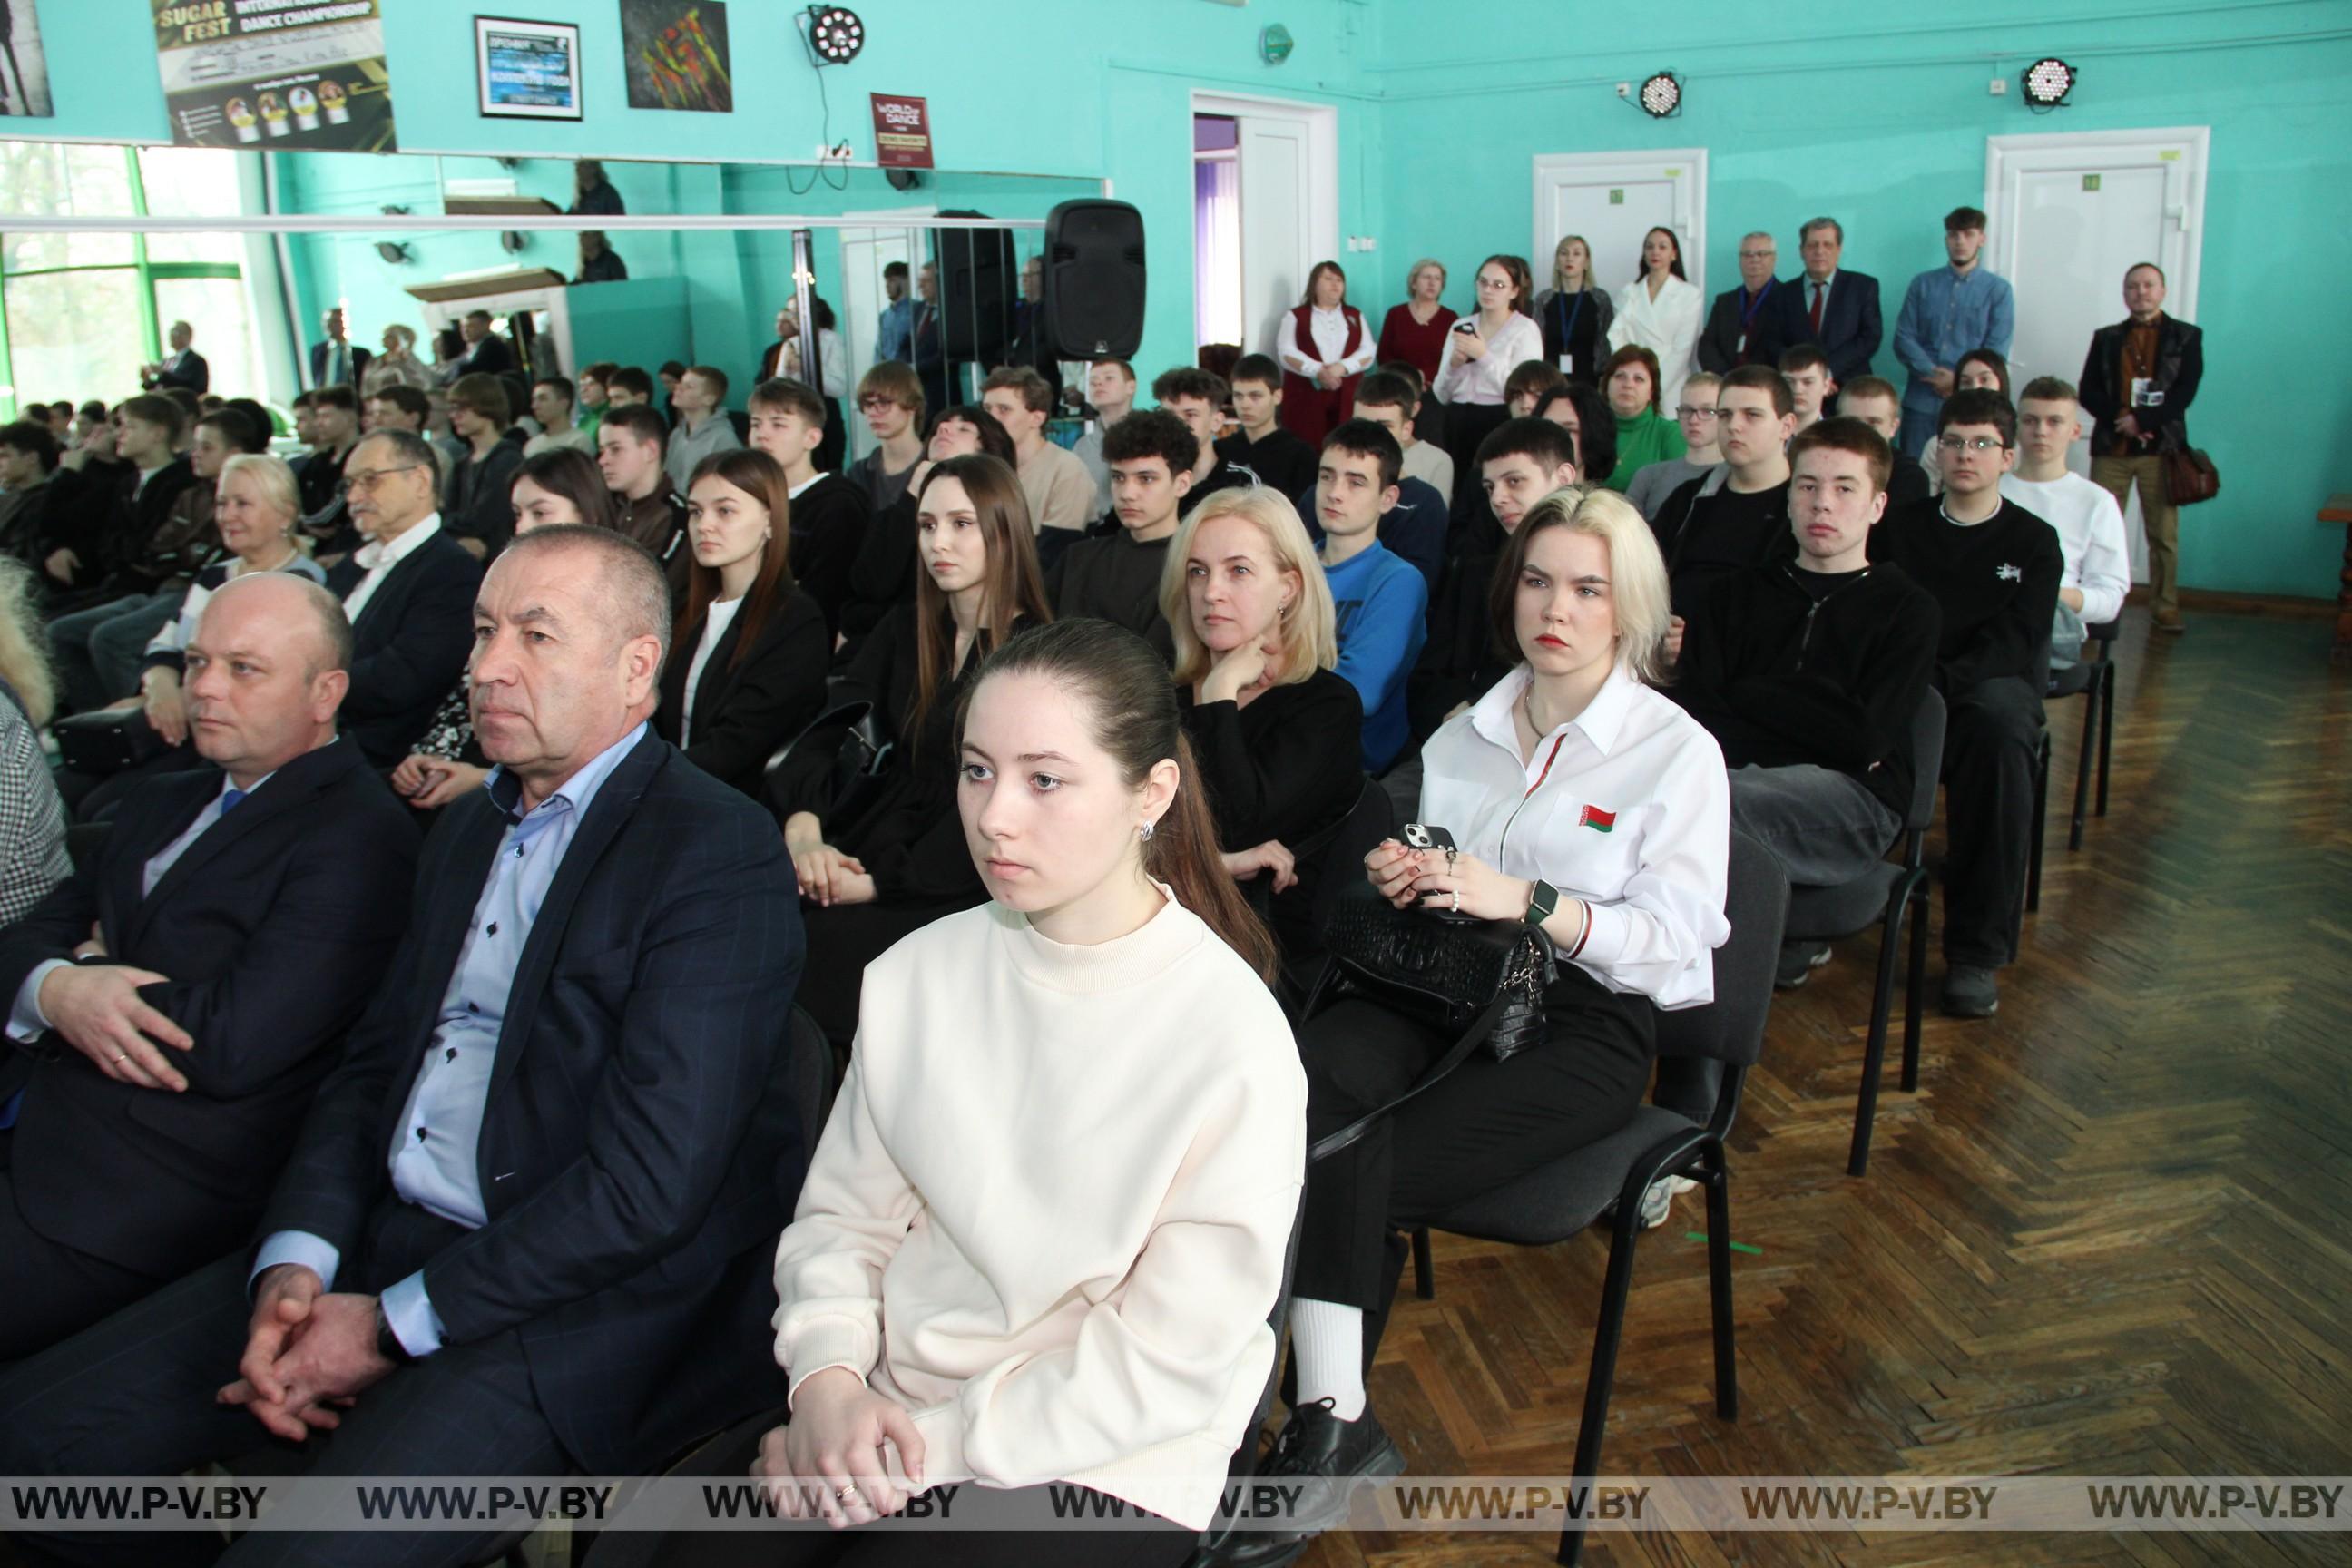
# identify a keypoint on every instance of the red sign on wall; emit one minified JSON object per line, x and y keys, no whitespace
{"x":902,"y":132}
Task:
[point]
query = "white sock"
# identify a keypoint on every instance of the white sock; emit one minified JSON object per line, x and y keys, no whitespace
{"x":1329,"y":1339}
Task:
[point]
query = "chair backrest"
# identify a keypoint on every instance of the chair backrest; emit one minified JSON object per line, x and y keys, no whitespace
{"x":807,"y":1074}
{"x":1926,"y":761}
{"x":1731,"y":1027}
{"x":1340,"y":859}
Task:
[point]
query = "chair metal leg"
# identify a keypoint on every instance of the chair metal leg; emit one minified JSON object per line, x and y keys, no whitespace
{"x":2106,"y":731}
{"x":1915,"y":986}
{"x":2041,"y":827}
{"x":1606,"y":1332}
{"x":1424,"y":1273}
{"x":2084,"y":764}
{"x":1718,"y":1280}
{"x":1882,"y":1004}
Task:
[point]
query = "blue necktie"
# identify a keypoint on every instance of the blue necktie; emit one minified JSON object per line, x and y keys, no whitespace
{"x":229,"y":797}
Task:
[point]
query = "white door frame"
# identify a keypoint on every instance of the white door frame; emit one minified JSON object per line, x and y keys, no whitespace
{"x":1322,"y":214}
{"x":860,"y":309}
{"x":1690,"y":216}
{"x":2192,"y":143}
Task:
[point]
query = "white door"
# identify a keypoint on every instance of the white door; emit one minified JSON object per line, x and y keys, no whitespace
{"x":1288,"y":155}
{"x":1613,"y":200}
{"x":864,"y":252}
{"x":2071,"y":214}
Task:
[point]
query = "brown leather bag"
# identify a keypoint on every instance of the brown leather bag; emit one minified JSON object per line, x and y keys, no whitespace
{"x":2189,"y":475}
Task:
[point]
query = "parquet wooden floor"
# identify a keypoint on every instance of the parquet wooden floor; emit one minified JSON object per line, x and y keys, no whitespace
{"x":2108,"y":1235}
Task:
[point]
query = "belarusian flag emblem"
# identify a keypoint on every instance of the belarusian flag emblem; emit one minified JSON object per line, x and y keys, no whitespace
{"x":1594,"y":817}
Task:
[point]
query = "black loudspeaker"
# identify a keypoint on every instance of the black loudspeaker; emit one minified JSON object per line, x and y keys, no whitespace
{"x":979,"y":279}
{"x":1094,"y":281}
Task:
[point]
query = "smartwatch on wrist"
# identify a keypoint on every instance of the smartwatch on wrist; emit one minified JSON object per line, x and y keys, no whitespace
{"x":387,"y":1343}
{"x":1543,"y":899}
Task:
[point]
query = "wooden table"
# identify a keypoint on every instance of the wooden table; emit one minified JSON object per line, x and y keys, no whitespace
{"x":2337,"y":512}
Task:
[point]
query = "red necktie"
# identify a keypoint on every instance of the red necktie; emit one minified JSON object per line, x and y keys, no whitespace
{"x":1818,"y":291}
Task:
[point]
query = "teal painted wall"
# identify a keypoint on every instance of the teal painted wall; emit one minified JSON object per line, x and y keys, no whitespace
{"x":1878,"y":117}
{"x":1877,"y":114}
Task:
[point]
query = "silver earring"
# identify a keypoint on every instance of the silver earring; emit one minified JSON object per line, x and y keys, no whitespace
{"x":1144,"y":832}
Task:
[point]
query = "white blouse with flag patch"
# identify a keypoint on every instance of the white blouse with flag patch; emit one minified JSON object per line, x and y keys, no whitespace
{"x":1626,"y":806}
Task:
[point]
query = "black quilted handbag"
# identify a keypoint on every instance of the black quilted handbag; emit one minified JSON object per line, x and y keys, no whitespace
{"x":1482,"y":981}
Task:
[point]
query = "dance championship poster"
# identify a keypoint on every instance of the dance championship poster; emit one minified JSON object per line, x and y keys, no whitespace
{"x":281,"y":76}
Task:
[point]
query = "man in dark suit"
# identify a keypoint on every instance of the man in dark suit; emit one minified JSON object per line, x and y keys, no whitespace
{"x":335,"y":362}
{"x":485,"y":351}
{"x":409,"y":591}
{"x":182,"y":995}
{"x":1834,"y":309}
{"x":184,"y":366}
{"x":527,"y":1224}
{"x":2138,"y":381}
{"x":1745,"y":326}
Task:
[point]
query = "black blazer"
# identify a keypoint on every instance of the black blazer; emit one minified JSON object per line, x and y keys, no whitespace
{"x":1852,"y":329}
{"x":1719,"y":345}
{"x":274,"y":926}
{"x":410,"y":644}
{"x":2179,"y":367}
{"x":193,"y":373}
{"x":742,"y":714}
{"x":360,"y":358}
{"x":638,"y":1155}
{"x":491,"y":356}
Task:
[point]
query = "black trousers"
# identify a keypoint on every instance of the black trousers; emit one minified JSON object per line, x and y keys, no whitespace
{"x":1991,"y":742}
{"x":133,"y":1396}
{"x":1487,"y":1123}
{"x":49,"y":1290}
{"x":1159,"y":1543}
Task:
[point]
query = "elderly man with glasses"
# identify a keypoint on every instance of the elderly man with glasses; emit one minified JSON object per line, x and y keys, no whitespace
{"x":1746,"y":326}
{"x":408,"y":590}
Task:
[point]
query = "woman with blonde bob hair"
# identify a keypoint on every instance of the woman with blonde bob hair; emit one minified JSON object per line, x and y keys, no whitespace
{"x":1583,"y":802}
{"x":1277,"y":732}
{"x":1415,"y":332}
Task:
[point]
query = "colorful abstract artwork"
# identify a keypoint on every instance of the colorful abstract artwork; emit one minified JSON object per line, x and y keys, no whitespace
{"x":677,"y":57}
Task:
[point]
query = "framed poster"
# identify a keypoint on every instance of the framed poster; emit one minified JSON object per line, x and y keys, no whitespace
{"x":24,"y":69}
{"x":527,"y":71}
{"x":674,"y":53}
{"x":276,"y":74}
{"x":902,"y":132}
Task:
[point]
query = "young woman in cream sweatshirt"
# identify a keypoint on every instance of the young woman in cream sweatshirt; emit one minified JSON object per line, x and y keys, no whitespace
{"x":1041,"y":1233}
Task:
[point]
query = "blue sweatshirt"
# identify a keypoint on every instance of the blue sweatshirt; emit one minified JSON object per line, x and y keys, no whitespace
{"x":1382,"y":606}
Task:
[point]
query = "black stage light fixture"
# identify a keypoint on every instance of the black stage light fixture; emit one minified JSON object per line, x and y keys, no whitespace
{"x":392,"y":252}
{"x":1661,"y":96}
{"x":835,"y":35}
{"x":2047,"y":82}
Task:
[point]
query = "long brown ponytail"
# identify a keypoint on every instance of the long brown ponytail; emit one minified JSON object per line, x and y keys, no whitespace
{"x":1136,"y":720}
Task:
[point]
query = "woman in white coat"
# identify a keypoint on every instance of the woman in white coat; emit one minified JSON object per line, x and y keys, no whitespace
{"x":1661,"y":310}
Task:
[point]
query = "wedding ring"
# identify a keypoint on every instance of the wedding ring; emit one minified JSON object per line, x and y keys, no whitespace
{"x":122,"y":1056}
{"x":845,"y":1493}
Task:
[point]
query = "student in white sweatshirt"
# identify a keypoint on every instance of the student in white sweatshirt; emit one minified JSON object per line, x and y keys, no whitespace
{"x":2089,"y":524}
{"x":1042,"y":1231}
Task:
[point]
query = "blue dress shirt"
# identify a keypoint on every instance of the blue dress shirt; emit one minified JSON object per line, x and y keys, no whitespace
{"x":435,"y":1156}
{"x":895,"y":337}
{"x":1944,"y":314}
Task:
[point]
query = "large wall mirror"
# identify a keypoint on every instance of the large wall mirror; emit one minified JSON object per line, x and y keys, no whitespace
{"x":122,"y":251}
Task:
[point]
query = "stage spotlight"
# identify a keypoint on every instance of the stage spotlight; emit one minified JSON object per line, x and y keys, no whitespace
{"x":1661,"y":96}
{"x":2047,"y":82}
{"x":835,"y":35}
{"x":393,"y":253}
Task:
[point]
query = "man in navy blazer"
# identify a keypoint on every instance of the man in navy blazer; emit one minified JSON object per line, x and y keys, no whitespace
{"x":179,"y":999}
{"x":527,"y":1224}
{"x":334,"y":361}
{"x":1833,"y":308}
{"x":409,"y":591}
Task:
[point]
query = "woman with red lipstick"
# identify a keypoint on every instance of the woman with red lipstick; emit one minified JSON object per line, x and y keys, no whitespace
{"x":746,"y":668}
{"x":1040,"y":1237}
{"x":897,"y":861}
{"x":1279,"y":732}
{"x":1584,"y":803}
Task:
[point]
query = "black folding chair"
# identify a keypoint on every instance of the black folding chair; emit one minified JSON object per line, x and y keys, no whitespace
{"x":1218,"y":1539}
{"x":1888,"y":894}
{"x":2093,"y":678}
{"x":1557,"y":1201}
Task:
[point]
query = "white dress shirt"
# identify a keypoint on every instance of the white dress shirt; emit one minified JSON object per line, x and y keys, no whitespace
{"x":377,"y":560}
{"x":2090,"y":529}
{"x":715,"y":622}
{"x":1328,"y":329}
{"x":1481,"y":380}
{"x":1626,"y":806}
{"x":1667,"y":326}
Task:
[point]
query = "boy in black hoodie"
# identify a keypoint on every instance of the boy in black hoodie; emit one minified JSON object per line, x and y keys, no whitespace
{"x":1995,"y":568}
{"x":1807,"y":671}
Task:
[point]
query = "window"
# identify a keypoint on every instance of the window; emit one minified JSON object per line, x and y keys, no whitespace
{"x":80,"y":313}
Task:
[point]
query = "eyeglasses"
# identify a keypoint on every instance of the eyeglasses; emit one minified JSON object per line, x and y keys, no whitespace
{"x":867,"y":403}
{"x":1685,"y":411}
{"x":1757,"y":255}
{"x":368,"y":479}
{"x":1971,"y":443}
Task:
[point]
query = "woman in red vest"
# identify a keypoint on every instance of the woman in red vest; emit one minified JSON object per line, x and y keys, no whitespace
{"x":1325,"y":351}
